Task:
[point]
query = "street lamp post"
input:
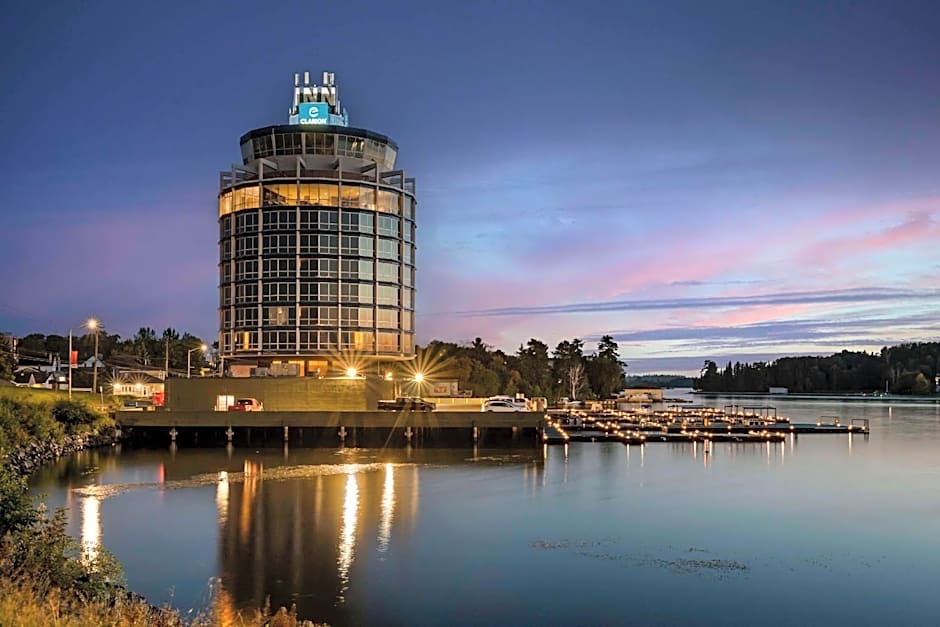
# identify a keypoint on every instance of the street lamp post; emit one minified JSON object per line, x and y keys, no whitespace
{"x":189,"y":355}
{"x":91,"y":323}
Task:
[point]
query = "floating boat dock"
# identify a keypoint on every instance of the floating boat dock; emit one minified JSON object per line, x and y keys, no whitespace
{"x":689,"y":424}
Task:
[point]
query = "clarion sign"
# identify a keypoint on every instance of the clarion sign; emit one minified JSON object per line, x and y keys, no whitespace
{"x":313,"y":113}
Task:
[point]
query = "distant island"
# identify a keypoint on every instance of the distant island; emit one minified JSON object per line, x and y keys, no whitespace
{"x":903,"y":369}
{"x":659,"y":381}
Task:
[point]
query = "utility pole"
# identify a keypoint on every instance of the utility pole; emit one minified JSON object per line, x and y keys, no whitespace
{"x":93,"y":324}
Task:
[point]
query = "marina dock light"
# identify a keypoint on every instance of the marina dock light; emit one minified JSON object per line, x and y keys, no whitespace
{"x":419,"y":377}
{"x":351,"y":372}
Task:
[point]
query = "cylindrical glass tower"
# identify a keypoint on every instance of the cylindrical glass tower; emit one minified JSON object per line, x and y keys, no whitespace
{"x":316,"y":246}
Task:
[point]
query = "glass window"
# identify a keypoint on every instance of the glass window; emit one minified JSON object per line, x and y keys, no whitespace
{"x":406,"y":321}
{"x":246,"y":222}
{"x":225,"y":249}
{"x":279,"y":268}
{"x":359,"y":340}
{"x":387,"y":318}
{"x":246,"y":317}
{"x":325,"y":194}
{"x":386,"y":295}
{"x":409,"y":277}
{"x":246,"y":246}
{"x":318,"y":219}
{"x":409,"y":230}
{"x":280,"y":244}
{"x":388,"y":249}
{"x":225,"y":203}
{"x":289,"y":144}
{"x":225,"y":295}
{"x":246,"y":198}
{"x":388,"y":225}
{"x":246,"y":269}
{"x":279,"y":316}
{"x":388,"y":343}
{"x":319,"y":268}
{"x":355,"y":222}
{"x":246,"y":152}
{"x":319,"y":316}
{"x":367,"y":198}
{"x":357,"y":317}
{"x":356,"y":269}
{"x":278,"y":340}
{"x":408,"y":343}
{"x":279,"y":290}
{"x":350,"y":146}
{"x":280,"y":194}
{"x":312,"y":292}
{"x":263,"y":146}
{"x":356,"y":245}
{"x":246,"y":293}
{"x":407,"y":296}
{"x":246,"y":341}
{"x":225,"y":274}
{"x":387,"y":202}
{"x":407,"y":253}
{"x":356,"y":293}
{"x":282,"y":220}
{"x":225,"y":227}
{"x":350,"y":196}
{"x":227,"y":318}
{"x":387,"y":272}
{"x":319,"y":143}
{"x":409,"y":210}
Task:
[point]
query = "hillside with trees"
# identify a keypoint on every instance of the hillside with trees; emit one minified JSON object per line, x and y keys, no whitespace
{"x":903,"y":369}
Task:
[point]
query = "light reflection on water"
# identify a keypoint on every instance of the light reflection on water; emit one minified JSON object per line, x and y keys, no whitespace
{"x":388,"y":508}
{"x":347,"y":536}
{"x":591,"y":533}
{"x":91,"y":528}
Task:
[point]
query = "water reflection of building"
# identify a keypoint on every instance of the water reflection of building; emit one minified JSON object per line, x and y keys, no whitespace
{"x":305,"y":539}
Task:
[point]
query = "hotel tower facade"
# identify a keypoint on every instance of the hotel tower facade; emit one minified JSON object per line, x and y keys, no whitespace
{"x":316,"y":245}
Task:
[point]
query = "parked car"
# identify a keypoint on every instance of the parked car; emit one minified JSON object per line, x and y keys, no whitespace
{"x":505,"y":403}
{"x":407,"y":403}
{"x":246,"y":404}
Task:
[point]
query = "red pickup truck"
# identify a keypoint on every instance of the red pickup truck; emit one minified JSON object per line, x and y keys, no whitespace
{"x":246,"y":404}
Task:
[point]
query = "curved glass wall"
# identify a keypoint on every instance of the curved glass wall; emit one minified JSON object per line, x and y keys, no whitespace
{"x":292,"y":140}
{"x":311,"y":267}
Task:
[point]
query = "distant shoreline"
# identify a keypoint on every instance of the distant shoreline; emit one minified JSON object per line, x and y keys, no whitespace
{"x":848,"y":398}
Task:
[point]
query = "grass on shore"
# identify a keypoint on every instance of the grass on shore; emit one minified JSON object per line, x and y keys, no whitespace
{"x":28,"y":415}
{"x":22,"y":606}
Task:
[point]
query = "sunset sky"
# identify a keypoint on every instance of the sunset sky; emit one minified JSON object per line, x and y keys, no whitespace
{"x":700,"y":180}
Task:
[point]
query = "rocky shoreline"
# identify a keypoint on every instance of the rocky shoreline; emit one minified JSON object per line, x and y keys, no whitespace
{"x":25,"y":459}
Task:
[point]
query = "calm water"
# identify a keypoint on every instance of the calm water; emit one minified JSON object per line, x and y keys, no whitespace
{"x":820,"y":530}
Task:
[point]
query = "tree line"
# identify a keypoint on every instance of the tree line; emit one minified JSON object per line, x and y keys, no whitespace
{"x":565,"y":372}
{"x":903,"y":369}
{"x":144,"y":349}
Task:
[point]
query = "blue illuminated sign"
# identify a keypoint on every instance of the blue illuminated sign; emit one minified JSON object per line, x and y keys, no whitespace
{"x":313,"y":113}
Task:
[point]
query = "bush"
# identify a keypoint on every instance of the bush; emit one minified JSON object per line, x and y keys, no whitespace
{"x":16,"y":508}
{"x":73,"y":415}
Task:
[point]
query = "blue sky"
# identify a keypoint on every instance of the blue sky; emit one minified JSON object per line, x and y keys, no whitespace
{"x":727,"y":180}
